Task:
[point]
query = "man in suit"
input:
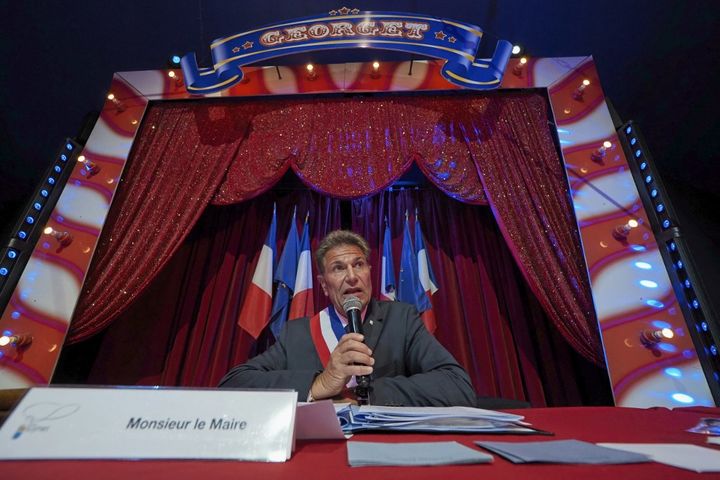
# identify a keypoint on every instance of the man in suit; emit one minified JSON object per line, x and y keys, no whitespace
{"x":315,"y":357}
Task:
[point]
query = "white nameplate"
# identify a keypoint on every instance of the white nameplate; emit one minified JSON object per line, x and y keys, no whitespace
{"x":136,"y":423}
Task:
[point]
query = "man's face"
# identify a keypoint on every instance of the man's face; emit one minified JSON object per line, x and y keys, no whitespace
{"x":346,"y":273}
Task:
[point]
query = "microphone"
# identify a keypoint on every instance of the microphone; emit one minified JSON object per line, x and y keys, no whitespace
{"x":352,"y":306}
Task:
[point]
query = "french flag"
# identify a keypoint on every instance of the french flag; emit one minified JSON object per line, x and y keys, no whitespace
{"x":425,"y":274}
{"x":411,"y":290}
{"x":387,"y":278}
{"x":255,"y":311}
{"x":285,"y":274}
{"x":302,"y":301}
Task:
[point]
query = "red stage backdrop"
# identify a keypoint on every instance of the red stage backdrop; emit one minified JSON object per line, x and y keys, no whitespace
{"x":479,"y":149}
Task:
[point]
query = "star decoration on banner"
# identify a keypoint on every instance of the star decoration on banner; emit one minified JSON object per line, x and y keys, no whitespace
{"x":247,"y":45}
{"x":440,"y":35}
{"x":333,"y":12}
{"x":354,"y":11}
{"x":452,"y":39}
{"x":236,"y":49}
{"x":344,"y":10}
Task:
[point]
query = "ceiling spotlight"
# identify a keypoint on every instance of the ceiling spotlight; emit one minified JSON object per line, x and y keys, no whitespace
{"x":311,"y":73}
{"x":516,"y":49}
{"x":650,"y":338}
{"x":519,"y":66}
{"x":375,"y":70}
{"x":63,"y":238}
{"x":621,"y":232}
{"x":598,"y":155}
{"x":16,"y":340}
{"x":118,"y":104}
{"x":580,"y":90}
{"x":91,"y":168}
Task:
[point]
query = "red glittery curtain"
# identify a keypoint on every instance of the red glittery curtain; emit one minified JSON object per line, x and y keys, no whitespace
{"x":486,"y":314}
{"x":528,"y":193}
{"x":194,"y":302}
{"x":179,"y":159}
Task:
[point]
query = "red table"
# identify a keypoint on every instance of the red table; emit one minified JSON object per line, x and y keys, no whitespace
{"x":328,"y":460}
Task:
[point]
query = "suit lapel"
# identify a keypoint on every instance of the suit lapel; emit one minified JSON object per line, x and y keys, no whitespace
{"x":373,"y":324}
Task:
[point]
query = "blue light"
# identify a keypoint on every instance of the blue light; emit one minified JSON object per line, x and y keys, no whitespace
{"x":3,"y":271}
{"x":643,"y":166}
{"x":628,"y":130}
{"x":643,"y":265}
{"x":633,"y":141}
{"x":713,"y":349}
{"x":638,"y":152}
{"x":30,"y":220}
{"x":660,"y":324}
{"x":682,"y":398}
{"x":687,"y":283}
{"x":15,"y":315}
{"x":648,"y":284}
{"x":22,"y":235}
{"x":667,"y":347}
{"x":57,"y":168}
{"x":679,"y":264}
{"x":37,"y":206}
{"x":44,"y":193}
{"x":695,"y":304}
{"x":51,"y":181}
{"x":654,"y":303}
{"x":176,"y":59}
{"x":12,"y":254}
{"x":69,"y":146}
{"x":654,"y":193}
{"x":704,"y":326}
{"x":63,"y":157}
{"x":673,"y":372}
{"x":660,"y":207}
{"x":666,"y":223}
{"x":648,"y":179}
{"x":7,"y":333}
{"x":673,"y":247}
{"x":638,"y":248}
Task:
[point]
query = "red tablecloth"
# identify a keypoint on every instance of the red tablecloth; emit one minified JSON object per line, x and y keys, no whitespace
{"x":328,"y":460}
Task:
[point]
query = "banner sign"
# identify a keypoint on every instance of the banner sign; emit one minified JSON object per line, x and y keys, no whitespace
{"x":455,"y":42}
{"x":145,"y":423}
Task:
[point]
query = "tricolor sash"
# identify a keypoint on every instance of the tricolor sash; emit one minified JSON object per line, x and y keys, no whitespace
{"x":326,"y":329}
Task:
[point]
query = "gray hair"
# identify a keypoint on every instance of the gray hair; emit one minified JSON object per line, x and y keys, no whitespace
{"x":335,"y":239}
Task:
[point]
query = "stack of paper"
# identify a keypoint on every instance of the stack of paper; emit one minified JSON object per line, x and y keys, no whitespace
{"x":430,"y":419}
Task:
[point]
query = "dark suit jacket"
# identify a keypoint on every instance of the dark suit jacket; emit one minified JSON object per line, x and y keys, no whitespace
{"x":411,"y":367}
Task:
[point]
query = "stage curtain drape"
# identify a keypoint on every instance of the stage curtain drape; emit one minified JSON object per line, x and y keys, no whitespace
{"x":182,"y":330}
{"x":486,"y":314}
{"x":189,"y":154}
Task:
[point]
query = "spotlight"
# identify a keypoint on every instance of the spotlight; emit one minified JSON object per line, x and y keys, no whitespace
{"x":90,"y":167}
{"x":16,"y":340}
{"x":598,"y":155}
{"x":63,"y":238}
{"x":519,"y":66}
{"x":516,"y":49}
{"x":375,"y":70}
{"x":119,"y":107}
{"x":580,"y":90}
{"x":174,"y":61}
{"x":311,"y":73}
{"x":650,"y":338}
{"x":176,"y":77}
{"x":621,"y":232}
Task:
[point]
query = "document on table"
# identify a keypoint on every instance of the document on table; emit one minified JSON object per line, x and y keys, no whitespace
{"x":562,"y":451}
{"x":430,"y":419}
{"x":681,"y":455}
{"x":364,"y":454}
